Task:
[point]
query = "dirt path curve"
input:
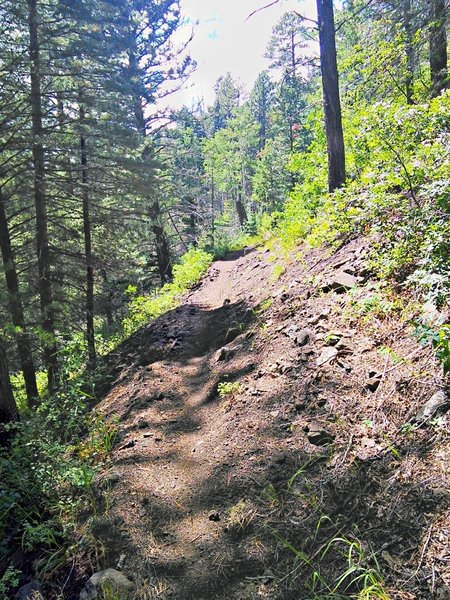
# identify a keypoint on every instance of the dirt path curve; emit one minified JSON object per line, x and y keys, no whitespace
{"x":203,"y":490}
{"x":172,"y":477}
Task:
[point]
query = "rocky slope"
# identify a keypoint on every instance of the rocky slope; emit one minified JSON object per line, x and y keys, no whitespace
{"x":275,"y":431}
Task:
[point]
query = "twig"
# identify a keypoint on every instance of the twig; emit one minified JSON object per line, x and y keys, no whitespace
{"x":347,"y":450}
{"x":262,"y":8}
{"x":425,"y":546}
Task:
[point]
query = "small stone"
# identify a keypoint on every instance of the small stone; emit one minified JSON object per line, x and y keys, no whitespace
{"x":129,"y":444}
{"x":342,"y":261}
{"x":303,"y":337}
{"x":225,"y":354}
{"x":291,"y":330}
{"x":372,"y":384}
{"x":320,"y":437}
{"x":327,"y":354}
{"x":215,"y":517}
{"x":340,"y":282}
{"x":437,"y":401}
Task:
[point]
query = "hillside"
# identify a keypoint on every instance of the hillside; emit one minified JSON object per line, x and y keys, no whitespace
{"x":275,"y":440}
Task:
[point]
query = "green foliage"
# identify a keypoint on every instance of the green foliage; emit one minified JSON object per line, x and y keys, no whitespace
{"x":440,"y":340}
{"x":360,"y":579}
{"x":48,"y":473}
{"x":143,"y":309}
{"x":8,"y":582}
{"x":400,"y":191}
{"x":228,"y":388}
{"x":379,"y":303}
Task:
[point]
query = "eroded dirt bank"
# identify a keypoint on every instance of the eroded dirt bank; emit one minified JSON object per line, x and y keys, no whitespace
{"x":246,"y":494}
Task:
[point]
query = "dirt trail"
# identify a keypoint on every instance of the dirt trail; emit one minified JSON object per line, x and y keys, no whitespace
{"x":199,"y":486}
{"x":174,"y":468}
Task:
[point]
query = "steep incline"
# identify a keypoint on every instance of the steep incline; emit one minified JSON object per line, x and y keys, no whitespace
{"x":200,"y":492}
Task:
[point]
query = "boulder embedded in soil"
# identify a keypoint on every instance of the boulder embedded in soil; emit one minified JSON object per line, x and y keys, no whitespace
{"x":110,"y":580}
{"x":437,"y":401}
{"x":30,"y":591}
{"x":340,"y":282}
{"x":327,"y":354}
{"x":320,"y":437}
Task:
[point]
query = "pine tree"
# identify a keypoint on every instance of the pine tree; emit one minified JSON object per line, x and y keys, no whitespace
{"x":331,"y":97}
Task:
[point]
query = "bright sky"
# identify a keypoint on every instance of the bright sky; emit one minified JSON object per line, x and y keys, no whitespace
{"x":226,"y":41}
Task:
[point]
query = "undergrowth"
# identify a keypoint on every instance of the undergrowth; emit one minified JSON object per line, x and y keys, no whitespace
{"x":47,"y":474}
{"x":397,"y":194}
{"x":143,"y":309}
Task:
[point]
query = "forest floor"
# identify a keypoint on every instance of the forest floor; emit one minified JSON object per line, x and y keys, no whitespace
{"x":312,"y":455}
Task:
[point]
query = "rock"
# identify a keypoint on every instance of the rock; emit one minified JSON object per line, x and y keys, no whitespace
{"x":109,"y":480}
{"x":232,"y":334}
{"x":343,"y":261}
{"x":320,"y":437}
{"x":215,"y":517}
{"x":31,"y":591}
{"x":327,"y":354}
{"x":129,"y":444}
{"x":291,"y":330}
{"x":431,"y":315}
{"x":437,"y":401}
{"x":111,"y":580}
{"x":303,"y":337}
{"x":373,"y":383}
{"x":225,"y":354}
{"x":340,"y":282}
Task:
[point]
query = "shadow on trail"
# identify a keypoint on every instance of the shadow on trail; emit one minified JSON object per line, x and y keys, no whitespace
{"x":264,"y":498}
{"x":178,"y":336}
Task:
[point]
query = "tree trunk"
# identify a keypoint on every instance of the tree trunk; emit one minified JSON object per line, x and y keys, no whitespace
{"x":410,"y":54}
{"x":162,"y":246}
{"x":331,"y":100}
{"x":90,"y":336}
{"x":16,"y":309}
{"x":154,"y":211}
{"x":43,"y":252}
{"x":438,"y":46}
{"x":240,"y":208}
{"x":8,"y":407}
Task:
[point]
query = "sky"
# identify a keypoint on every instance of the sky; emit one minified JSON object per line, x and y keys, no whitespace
{"x":225,"y":39}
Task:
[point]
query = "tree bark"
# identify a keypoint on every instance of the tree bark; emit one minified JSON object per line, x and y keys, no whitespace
{"x":8,"y":407}
{"x":16,"y":309}
{"x":410,"y":54}
{"x":438,"y":46}
{"x":155,"y":213}
{"x":90,"y":335}
{"x":240,"y":208}
{"x":331,"y":99}
{"x":40,"y":199}
{"x":162,"y":246}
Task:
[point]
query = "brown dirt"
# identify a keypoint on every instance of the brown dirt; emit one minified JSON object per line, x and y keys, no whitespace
{"x":209,"y":497}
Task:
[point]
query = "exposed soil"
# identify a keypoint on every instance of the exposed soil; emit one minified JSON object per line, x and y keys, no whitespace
{"x":211,"y":496}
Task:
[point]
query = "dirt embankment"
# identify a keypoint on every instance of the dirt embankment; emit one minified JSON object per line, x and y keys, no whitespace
{"x":267,"y":430}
